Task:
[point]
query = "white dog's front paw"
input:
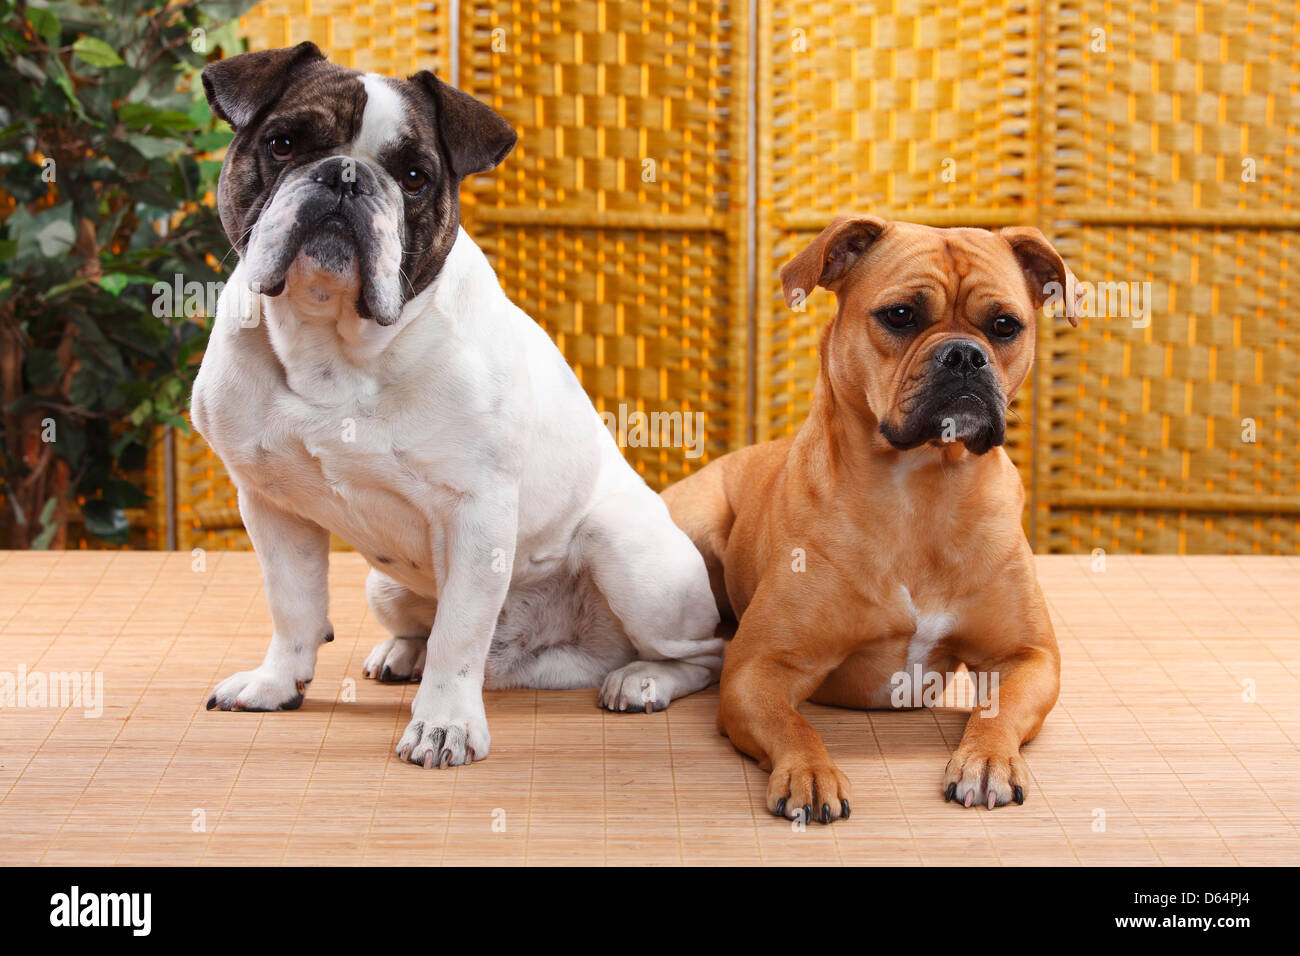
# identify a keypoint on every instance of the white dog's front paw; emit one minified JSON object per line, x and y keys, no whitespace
{"x":262,"y":689}
{"x":396,"y":659}
{"x":639,"y":686}
{"x":445,"y":736}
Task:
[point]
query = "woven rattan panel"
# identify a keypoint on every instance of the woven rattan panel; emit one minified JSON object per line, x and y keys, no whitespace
{"x":1159,"y":108}
{"x":1174,"y":129}
{"x":617,"y":222}
{"x":1184,"y":407}
{"x":393,"y":38}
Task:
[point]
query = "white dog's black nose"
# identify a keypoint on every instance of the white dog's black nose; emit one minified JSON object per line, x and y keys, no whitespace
{"x":961,"y":358}
{"x":344,"y":176}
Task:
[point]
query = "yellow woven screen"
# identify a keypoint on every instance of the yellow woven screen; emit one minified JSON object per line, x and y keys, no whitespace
{"x":1174,"y":133}
{"x":617,"y":222}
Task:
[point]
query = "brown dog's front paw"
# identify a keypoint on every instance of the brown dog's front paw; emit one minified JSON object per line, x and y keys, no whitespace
{"x":814,"y":789}
{"x":986,"y":780}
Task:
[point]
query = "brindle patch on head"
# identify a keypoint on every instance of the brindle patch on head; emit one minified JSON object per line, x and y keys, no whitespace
{"x":400,"y":130}
{"x":318,"y":106}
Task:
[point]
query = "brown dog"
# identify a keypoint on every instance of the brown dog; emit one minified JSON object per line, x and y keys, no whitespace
{"x":886,"y":534}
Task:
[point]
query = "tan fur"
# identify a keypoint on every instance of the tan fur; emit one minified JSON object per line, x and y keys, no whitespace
{"x":872,"y":520}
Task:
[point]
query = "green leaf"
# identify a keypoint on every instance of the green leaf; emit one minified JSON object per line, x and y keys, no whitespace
{"x":29,"y":69}
{"x":43,"y":368}
{"x":153,"y":148}
{"x":213,"y":141}
{"x":64,"y":82}
{"x":45,"y":23}
{"x":123,"y":494}
{"x":49,"y":527}
{"x":55,"y":238}
{"x":96,"y":52}
{"x":114,"y":282}
{"x":104,"y":521}
{"x":143,"y":116}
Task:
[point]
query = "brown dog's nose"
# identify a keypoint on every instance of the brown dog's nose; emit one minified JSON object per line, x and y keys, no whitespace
{"x":961,"y":358}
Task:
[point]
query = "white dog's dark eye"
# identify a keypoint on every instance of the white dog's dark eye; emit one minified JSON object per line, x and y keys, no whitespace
{"x":414,"y":181}
{"x":1006,"y":326}
{"x":280,"y":148}
{"x":898,"y":317}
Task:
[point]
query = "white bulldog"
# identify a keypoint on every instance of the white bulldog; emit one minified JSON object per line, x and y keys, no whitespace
{"x":367,"y":376}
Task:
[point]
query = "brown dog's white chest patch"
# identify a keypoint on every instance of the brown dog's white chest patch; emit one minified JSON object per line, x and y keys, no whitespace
{"x":931,"y":628}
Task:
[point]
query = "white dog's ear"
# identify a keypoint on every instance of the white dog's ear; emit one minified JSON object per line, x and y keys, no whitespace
{"x":830,"y":255}
{"x":476,"y":137}
{"x":1046,"y":274}
{"x":240,"y":87}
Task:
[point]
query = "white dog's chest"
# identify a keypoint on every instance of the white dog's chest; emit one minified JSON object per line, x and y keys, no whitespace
{"x":382,"y":450}
{"x":346,"y":472}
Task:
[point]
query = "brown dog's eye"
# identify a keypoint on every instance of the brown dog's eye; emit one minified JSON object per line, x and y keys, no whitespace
{"x":900,"y":318}
{"x":1006,"y":326}
{"x":414,"y":181}
{"x":280,"y":148}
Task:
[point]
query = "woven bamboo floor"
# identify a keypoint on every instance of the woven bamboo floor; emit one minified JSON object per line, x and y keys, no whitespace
{"x":1175,"y":741}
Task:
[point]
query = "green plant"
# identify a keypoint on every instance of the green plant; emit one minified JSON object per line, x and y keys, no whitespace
{"x":105,"y":197}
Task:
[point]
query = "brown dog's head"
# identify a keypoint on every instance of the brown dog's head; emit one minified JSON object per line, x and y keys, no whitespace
{"x":935,"y":328}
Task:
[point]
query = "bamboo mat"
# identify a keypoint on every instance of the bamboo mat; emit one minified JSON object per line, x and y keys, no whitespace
{"x":1175,"y":741}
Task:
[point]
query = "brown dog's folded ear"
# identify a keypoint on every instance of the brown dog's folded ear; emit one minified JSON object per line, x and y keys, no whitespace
{"x":239,"y":87}
{"x":477,"y":138}
{"x":830,"y":255}
{"x":1048,"y":277}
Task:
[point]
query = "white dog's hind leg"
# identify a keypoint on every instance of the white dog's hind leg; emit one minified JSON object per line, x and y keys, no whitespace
{"x":294,"y":554}
{"x":409,"y":618}
{"x":656,"y":583}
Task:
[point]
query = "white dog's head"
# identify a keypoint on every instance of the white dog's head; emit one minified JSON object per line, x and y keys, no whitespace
{"x":344,"y":180}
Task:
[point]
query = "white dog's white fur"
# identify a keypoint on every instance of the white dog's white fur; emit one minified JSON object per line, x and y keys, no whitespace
{"x":510,"y":543}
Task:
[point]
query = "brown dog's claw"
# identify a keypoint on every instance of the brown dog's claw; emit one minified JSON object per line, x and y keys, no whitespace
{"x":826,"y":813}
{"x":951,"y":794}
{"x":845,"y":809}
{"x":1019,"y":794}
{"x":780,"y":807}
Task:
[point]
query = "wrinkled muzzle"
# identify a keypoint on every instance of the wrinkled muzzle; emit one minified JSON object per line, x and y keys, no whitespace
{"x":343,"y":219}
{"x":959,"y":399}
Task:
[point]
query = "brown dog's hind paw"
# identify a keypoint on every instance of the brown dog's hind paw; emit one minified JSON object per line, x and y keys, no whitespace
{"x":985,"y":780}
{"x":809,"y":791}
